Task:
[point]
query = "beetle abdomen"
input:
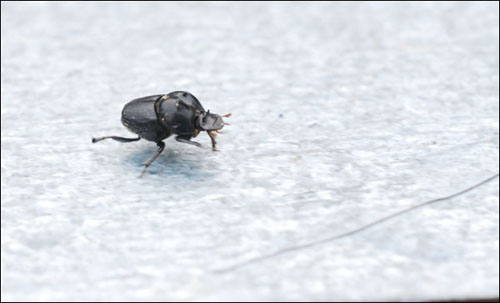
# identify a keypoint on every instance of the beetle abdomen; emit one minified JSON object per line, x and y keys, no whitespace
{"x":139,"y":117}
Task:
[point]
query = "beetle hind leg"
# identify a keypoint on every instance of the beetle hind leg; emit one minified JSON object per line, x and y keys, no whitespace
{"x":119,"y":139}
{"x":161,"y":146}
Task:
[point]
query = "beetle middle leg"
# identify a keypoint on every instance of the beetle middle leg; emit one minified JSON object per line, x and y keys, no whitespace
{"x":186,"y":140}
{"x":161,"y":146}
{"x":119,"y":139}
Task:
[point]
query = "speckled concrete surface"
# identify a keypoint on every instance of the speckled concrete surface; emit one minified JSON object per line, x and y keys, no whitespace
{"x":342,"y":113}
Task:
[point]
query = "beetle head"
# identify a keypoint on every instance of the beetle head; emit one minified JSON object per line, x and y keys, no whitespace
{"x":209,"y":122}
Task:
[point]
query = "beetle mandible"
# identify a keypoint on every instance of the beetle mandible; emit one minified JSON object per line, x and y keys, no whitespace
{"x":155,"y":118}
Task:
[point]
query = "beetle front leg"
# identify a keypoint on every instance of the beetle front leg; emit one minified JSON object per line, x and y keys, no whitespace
{"x":119,"y":139}
{"x":212,"y":138}
{"x":161,"y":146}
{"x":186,"y":140}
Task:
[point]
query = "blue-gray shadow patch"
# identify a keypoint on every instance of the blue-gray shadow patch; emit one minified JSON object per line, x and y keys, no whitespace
{"x":171,"y":163}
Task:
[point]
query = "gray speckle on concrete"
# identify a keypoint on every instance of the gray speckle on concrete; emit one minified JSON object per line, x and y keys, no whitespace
{"x":342,"y":113}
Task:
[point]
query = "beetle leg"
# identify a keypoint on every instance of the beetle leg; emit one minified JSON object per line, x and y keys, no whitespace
{"x":212,"y":137}
{"x":161,"y":146}
{"x":120,"y":139}
{"x":183,"y":140}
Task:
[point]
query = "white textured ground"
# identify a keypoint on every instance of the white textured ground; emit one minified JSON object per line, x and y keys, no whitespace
{"x":343,"y":113}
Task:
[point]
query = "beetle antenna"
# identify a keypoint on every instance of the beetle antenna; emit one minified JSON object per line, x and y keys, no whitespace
{"x":227,"y":115}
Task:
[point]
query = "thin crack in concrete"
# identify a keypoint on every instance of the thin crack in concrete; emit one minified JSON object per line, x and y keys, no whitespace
{"x":352,"y":232}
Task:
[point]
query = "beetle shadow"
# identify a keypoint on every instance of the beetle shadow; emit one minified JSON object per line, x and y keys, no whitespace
{"x":170,"y":163}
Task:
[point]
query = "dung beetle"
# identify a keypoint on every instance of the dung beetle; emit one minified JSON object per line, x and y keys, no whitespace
{"x":155,"y":118}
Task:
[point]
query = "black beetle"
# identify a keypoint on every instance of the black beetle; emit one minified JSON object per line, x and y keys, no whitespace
{"x":157,"y":117}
